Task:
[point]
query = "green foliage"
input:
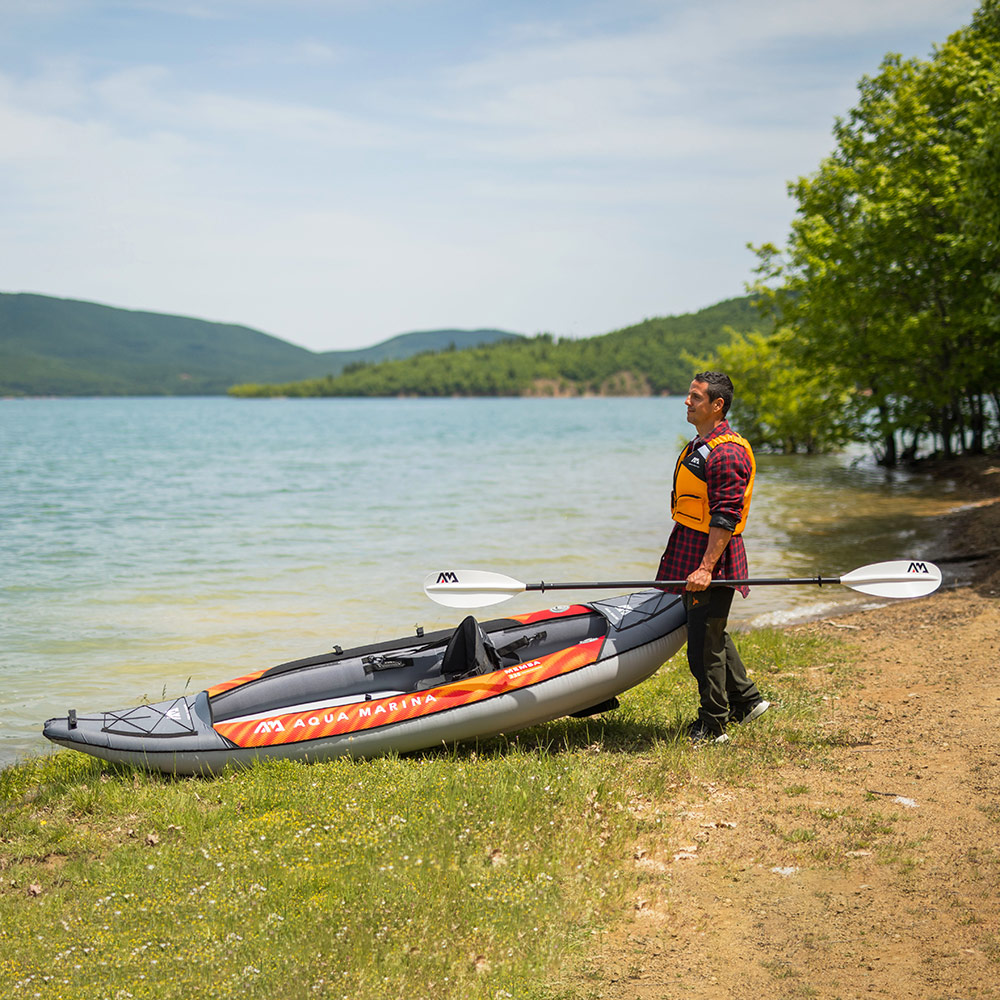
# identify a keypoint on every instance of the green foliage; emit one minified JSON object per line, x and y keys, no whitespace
{"x":981,"y":192}
{"x":780,"y":406}
{"x":889,"y":274}
{"x":62,"y":347}
{"x":648,"y":358}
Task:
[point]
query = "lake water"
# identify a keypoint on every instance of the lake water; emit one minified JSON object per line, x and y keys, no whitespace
{"x":152,"y":546}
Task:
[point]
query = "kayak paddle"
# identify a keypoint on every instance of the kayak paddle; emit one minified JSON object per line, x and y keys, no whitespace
{"x":474,"y":588}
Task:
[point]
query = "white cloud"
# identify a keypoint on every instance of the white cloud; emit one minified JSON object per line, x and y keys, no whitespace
{"x":150,"y":98}
{"x":791,"y":19}
{"x":576,"y":176}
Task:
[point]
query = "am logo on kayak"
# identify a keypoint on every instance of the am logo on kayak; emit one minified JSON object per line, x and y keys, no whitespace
{"x":917,"y":567}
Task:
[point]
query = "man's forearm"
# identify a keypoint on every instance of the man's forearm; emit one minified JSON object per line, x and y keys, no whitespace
{"x":718,"y":539}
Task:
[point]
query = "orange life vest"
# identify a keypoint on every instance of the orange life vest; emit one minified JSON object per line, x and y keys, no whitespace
{"x":689,"y":498}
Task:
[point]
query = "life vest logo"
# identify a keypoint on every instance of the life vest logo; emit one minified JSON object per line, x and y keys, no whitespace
{"x":917,"y":567}
{"x":447,"y":577}
{"x":269,"y":726}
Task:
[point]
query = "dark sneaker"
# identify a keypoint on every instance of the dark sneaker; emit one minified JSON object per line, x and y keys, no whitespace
{"x":749,"y":711}
{"x":701,"y":732}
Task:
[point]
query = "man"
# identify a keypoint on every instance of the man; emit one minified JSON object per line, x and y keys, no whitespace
{"x":713,"y":483}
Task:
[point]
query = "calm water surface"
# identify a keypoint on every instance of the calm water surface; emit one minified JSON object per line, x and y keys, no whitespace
{"x":153,"y":546}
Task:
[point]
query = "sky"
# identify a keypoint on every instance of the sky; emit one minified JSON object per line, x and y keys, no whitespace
{"x":336,"y":172}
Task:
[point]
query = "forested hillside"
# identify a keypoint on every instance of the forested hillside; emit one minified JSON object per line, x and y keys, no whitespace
{"x":644,"y":359}
{"x":63,"y":347}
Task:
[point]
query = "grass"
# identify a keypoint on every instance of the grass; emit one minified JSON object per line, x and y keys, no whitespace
{"x":475,"y":872}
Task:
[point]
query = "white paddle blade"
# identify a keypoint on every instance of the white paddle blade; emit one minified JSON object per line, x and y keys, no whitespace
{"x":471,"y":588}
{"x":901,"y":578}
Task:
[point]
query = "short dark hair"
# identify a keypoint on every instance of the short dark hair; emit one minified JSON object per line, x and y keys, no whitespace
{"x":720,"y":386}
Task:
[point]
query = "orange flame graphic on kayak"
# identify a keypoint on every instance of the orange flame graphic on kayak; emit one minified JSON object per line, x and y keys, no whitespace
{"x":337,"y":720}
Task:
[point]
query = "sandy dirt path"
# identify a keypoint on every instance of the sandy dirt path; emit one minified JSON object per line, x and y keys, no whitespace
{"x":869,"y":869}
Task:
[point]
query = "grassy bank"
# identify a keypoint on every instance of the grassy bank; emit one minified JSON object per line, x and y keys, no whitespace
{"x":461,"y":873}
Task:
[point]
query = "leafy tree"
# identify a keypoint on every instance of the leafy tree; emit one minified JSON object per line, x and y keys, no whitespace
{"x":883,"y":280}
{"x":981,"y":191}
{"x":779,"y":406}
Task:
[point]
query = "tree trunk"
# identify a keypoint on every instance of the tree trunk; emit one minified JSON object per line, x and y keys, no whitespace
{"x":887,"y":456}
{"x":978,"y":422}
{"x":947,"y":432}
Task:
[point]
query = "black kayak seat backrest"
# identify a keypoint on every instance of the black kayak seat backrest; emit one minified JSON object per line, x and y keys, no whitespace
{"x":469,"y":651}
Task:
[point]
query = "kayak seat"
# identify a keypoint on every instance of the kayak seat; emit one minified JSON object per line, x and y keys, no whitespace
{"x":469,"y":652}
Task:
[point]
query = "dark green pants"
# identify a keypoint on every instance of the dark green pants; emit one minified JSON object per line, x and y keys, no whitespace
{"x":713,"y":657}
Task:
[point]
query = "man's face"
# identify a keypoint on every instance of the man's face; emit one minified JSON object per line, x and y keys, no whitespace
{"x":701,"y":411}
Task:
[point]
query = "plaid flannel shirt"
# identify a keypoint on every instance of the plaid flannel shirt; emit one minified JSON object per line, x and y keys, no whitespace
{"x":728,"y":471}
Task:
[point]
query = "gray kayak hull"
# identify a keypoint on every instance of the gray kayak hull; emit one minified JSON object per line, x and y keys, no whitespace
{"x":407,"y":695}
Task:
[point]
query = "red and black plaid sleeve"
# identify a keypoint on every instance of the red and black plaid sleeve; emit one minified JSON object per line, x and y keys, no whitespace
{"x":728,"y":470}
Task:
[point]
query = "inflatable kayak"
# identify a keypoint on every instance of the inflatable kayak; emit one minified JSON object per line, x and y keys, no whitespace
{"x":473,"y":681}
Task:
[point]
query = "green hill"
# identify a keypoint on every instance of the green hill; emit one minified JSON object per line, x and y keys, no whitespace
{"x":64,"y":347}
{"x":645,"y":359}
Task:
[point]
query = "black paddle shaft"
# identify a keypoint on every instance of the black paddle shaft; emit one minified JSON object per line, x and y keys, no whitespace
{"x":611,"y":584}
